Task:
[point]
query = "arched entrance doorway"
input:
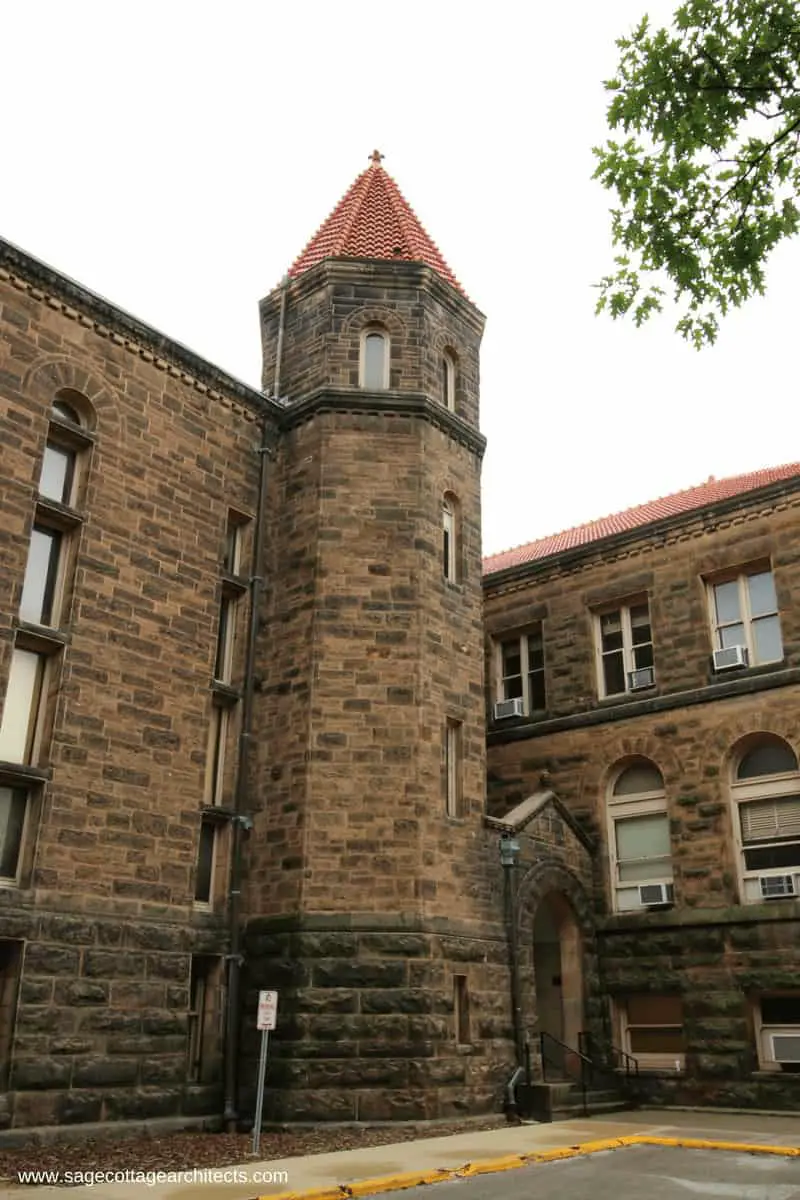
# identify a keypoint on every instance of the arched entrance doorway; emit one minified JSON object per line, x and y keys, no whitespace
{"x":558,"y":969}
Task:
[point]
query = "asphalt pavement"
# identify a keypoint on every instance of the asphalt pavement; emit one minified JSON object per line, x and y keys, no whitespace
{"x":632,"y":1173}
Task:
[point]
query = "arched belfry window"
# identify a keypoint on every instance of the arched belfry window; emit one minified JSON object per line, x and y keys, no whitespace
{"x":375,"y":359}
{"x":448,"y":383}
{"x":765,"y":789}
{"x":639,"y":838}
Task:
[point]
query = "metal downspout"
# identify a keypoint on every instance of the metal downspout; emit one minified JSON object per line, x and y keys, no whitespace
{"x":241,"y":820}
{"x":509,"y":871}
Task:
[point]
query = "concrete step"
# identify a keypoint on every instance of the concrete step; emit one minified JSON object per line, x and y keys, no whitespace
{"x":570,"y":1112}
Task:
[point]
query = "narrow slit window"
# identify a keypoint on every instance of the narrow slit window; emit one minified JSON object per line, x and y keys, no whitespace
{"x":453,"y":768}
{"x":223,"y":660}
{"x":449,"y":542}
{"x":461,"y":1010}
{"x":449,"y":382}
{"x":204,"y":879}
{"x":215,"y":771}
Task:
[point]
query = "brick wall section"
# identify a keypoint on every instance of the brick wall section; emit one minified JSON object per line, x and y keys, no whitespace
{"x":709,"y":948}
{"x":102,"y":1018}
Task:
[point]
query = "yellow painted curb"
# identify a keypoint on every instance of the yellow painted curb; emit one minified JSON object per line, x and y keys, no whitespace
{"x":492,"y":1166}
{"x":711,"y":1144}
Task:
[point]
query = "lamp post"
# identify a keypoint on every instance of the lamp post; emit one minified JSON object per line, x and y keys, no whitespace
{"x":509,"y":854}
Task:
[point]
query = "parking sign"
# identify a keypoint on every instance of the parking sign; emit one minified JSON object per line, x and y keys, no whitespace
{"x":267,"y":1010}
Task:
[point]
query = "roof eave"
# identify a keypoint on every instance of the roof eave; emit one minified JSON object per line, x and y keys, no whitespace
{"x":575,"y":554}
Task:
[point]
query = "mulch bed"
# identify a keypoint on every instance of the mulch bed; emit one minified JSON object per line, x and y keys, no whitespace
{"x":182,"y":1151}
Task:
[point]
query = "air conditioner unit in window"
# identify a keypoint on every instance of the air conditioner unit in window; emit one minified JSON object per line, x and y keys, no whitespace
{"x":786,"y":1047}
{"x":504,"y":709}
{"x":776,"y":887}
{"x":730,"y":657}
{"x":651,"y":895}
{"x":643,"y":677}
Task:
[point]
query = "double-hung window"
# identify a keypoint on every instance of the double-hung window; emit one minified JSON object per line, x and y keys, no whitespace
{"x":652,"y":1030}
{"x":766,"y":797}
{"x":639,"y":839}
{"x":521,"y":671}
{"x":744,"y":613}
{"x":624,"y":645}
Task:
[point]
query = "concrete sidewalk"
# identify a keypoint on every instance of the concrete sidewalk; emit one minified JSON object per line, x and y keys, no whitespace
{"x":428,"y":1156}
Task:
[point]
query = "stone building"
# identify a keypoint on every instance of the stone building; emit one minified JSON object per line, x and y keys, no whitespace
{"x":247,"y":652}
{"x":649,"y":663}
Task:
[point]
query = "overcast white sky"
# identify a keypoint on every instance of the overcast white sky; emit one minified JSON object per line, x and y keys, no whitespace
{"x":176,"y":156}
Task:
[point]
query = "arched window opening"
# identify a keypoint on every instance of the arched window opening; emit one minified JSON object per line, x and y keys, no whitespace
{"x":67,"y":405}
{"x":766,"y":798}
{"x":768,"y":757}
{"x":375,"y":360}
{"x":448,"y":369}
{"x":643,"y":776}
{"x":639,"y":841}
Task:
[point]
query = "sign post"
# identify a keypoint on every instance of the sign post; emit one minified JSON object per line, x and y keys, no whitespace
{"x":265,"y":1021}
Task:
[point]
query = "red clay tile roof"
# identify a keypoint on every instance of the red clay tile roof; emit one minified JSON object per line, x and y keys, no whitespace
{"x":373,"y":220}
{"x":692,"y":498}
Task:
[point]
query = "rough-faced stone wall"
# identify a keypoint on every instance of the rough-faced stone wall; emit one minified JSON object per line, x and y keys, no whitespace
{"x":104,"y":905}
{"x":718,"y":954}
{"x":380,"y":897}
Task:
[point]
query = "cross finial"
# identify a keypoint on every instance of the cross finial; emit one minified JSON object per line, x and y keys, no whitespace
{"x":376,"y":158}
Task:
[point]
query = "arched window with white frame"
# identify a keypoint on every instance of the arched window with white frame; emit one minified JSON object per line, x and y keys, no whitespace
{"x":374,"y":371}
{"x":765,"y":790}
{"x":639,"y":838}
{"x":448,"y":369}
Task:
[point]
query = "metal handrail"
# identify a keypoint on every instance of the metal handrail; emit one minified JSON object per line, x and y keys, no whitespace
{"x":611,"y":1053}
{"x":547,"y":1039}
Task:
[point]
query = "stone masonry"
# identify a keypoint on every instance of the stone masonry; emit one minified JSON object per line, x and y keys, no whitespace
{"x":716,"y":953}
{"x":105,"y":909}
{"x":377,"y":784}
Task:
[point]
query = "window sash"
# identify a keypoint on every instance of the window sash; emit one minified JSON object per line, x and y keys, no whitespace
{"x":206,"y":855}
{"x":452,"y":754}
{"x":215,"y":770}
{"x":198,"y":999}
{"x":58,"y":473}
{"x":522,"y":671}
{"x":653,"y":1026}
{"x":624,"y":640}
{"x":38,"y":602}
{"x":231,"y":558}
{"x":770,"y":820}
{"x":13,"y":813}
{"x":657,"y":1039}
{"x":223,"y":659}
{"x":643,"y":850}
{"x":375,"y":360}
{"x":780,"y":1010}
{"x":22,"y":706}
{"x":448,"y":383}
{"x":448,"y":543}
{"x":740,"y":617}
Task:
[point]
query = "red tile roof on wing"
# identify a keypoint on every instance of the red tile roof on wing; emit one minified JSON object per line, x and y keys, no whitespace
{"x":692,"y":498}
{"x":373,"y":220}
